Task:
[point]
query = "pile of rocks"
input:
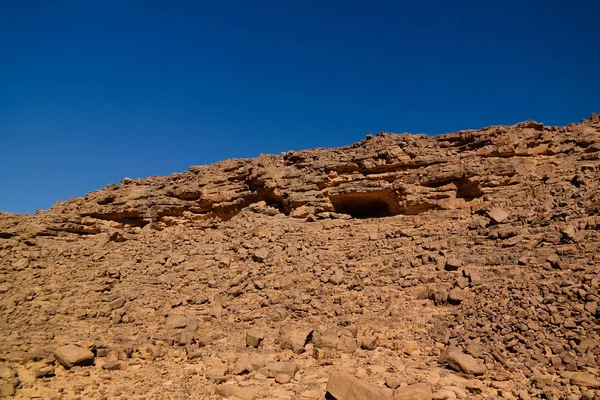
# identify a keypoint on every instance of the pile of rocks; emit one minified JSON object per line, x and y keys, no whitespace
{"x":401,"y":267}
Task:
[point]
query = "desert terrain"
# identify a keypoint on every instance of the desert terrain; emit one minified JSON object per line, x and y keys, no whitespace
{"x":457,"y":266}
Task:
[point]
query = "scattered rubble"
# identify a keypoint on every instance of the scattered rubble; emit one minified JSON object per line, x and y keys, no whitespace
{"x":400,"y":267}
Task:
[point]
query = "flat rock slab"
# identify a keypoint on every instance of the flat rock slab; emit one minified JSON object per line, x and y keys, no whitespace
{"x":343,"y":386}
{"x":497,"y":215}
{"x":419,"y":391}
{"x":228,"y":390}
{"x":176,"y":322}
{"x":462,"y":362}
{"x":111,"y":365}
{"x":585,"y":379}
{"x":71,"y":355}
{"x":281,"y":367}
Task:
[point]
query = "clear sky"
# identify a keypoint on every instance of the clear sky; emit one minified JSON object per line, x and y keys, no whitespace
{"x":94,"y":91}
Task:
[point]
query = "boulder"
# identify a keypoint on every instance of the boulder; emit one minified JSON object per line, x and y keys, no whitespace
{"x":254,"y":337}
{"x":462,"y":362}
{"x":343,"y":386}
{"x":71,"y":355}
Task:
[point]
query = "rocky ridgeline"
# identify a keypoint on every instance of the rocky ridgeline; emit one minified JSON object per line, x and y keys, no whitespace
{"x":401,"y":267}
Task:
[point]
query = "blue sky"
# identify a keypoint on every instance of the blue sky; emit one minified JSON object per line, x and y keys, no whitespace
{"x":92,"y":92}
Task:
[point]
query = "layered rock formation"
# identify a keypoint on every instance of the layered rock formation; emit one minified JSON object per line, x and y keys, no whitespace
{"x":456,"y":266}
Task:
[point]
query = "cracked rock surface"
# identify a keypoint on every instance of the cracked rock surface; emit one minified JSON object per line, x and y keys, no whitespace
{"x":460,"y":266}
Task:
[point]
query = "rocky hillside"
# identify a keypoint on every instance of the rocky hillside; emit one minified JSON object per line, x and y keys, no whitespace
{"x":401,"y":267}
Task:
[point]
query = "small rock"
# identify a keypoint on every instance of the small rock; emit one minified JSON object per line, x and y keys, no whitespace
{"x":232,"y":390}
{"x":72,"y":355}
{"x":421,"y":292}
{"x":368,"y":342}
{"x":254,"y":337}
{"x":542,"y":381}
{"x":6,"y":372}
{"x":242,"y":366}
{"x":453,"y":264}
{"x":497,"y":215}
{"x":44,"y":371}
{"x":337,"y":277}
{"x":444,"y":394}
{"x":6,"y":389}
{"x":216,"y":371}
{"x":569,"y":232}
{"x":393,"y":382}
{"x":347,"y":343}
{"x":475,"y":386}
{"x":456,"y":296}
{"x":311,"y":395}
{"x":411,"y":348}
{"x":474,"y":277}
{"x":301,"y":212}
{"x":453,"y":380}
{"x":176,"y":322}
{"x":282,"y":367}
{"x":570,"y":323}
{"x":361,"y":373}
{"x":226,"y":390}
{"x":462,"y":282}
{"x":258,"y":361}
{"x":151,"y":352}
{"x":117,"y":303}
{"x":283,"y":378}
{"x":216,"y":310}
{"x":111,"y":365}
{"x":260,"y":255}
{"x":295,"y":340}
{"x":20,"y":264}
{"x":591,"y":307}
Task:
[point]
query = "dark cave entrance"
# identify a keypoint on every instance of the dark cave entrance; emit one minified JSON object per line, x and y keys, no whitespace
{"x":364,"y":205}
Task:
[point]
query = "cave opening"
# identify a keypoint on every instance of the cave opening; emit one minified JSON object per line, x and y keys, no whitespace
{"x":364,"y":205}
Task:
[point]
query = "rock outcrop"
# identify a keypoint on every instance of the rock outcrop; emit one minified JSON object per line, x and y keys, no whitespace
{"x":404,"y":266}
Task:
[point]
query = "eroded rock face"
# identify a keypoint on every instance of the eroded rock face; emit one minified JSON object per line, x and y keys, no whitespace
{"x":380,"y":176}
{"x":266,"y":277}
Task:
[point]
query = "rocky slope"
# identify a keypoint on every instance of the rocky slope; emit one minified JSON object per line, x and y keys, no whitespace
{"x":401,"y":267}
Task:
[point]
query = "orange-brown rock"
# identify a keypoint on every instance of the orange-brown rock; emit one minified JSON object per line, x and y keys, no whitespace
{"x":340,"y":270}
